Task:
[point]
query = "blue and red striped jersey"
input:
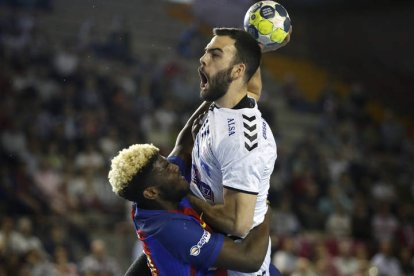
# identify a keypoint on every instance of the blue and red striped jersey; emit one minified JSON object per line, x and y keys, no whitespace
{"x":178,"y":242}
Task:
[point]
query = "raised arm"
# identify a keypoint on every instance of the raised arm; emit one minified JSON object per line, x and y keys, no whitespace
{"x":184,"y":142}
{"x":254,"y":86}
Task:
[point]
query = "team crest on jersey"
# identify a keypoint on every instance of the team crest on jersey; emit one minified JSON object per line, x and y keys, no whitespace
{"x":206,"y":191}
{"x":196,"y":249}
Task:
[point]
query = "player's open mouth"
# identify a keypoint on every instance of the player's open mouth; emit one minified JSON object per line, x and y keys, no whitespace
{"x":203,"y":79}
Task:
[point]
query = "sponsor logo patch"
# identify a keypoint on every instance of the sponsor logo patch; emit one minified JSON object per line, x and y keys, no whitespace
{"x":196,"y":249}
{"x":231,"y":125}
{"x":264,"y":130}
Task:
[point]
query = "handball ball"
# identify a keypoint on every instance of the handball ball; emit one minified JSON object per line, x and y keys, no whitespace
{"x":268,"y":22}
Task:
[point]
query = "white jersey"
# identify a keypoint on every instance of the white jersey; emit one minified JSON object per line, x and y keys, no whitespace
{"x":235,"y":149}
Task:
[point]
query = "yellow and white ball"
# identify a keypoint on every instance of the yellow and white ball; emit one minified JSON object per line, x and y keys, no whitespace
{"x":268,"y":22}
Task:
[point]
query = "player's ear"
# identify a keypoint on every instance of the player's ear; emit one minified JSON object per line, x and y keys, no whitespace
{"x":238,"y":71}
{"x":151,"y":193}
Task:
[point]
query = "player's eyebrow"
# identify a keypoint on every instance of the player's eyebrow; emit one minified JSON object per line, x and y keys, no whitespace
{"x":209,"y":50}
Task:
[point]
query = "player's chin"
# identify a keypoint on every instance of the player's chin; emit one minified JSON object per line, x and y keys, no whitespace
{"x":204,"y":93}
{"x":183,"y":184}
{"x":176,"y":191}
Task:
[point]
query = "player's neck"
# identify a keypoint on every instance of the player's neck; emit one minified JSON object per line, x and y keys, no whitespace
{"x":233,"y":96}
{"x":167,"y":205}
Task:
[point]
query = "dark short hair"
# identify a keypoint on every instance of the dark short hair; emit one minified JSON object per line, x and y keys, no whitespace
{"x":247,"y":49}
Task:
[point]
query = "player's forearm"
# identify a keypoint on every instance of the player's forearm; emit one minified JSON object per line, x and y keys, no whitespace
{"x":256,"y":243}
{"x":185,"y":133}
{"x":253,"y":243}
{"x":247,"y":255}
{"x":184,"y":142}
{"x":223,"y":218}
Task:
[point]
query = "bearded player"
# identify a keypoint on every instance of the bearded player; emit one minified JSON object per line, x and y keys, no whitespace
{"x":234,"y":150}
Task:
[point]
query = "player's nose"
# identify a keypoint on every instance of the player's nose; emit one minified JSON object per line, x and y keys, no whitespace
{"x":203,"y":59}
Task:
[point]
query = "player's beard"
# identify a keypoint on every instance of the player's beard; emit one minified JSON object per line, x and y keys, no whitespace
{"x":218,"y":85}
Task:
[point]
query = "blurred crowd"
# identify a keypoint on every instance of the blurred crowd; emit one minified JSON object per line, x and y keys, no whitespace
{"x":68,"y":106}
{"x":342,"y":197}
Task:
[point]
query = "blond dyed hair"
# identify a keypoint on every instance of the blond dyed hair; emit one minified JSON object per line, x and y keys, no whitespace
{"x":128,"y":163}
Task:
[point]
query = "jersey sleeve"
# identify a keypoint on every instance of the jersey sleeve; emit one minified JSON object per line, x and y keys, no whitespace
{"x":185,"y":170}
{"x":241,"y":168}
{"x":190,"y":243}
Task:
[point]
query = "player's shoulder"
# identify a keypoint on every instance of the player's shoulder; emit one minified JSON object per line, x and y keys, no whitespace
{"x":168,"y":225}
{"x":164,"y":220}
{"x":232,"y":126}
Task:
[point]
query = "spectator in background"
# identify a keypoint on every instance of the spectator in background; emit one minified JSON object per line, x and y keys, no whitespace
{"x":335,"y":196}
{"x":62,"y":265}
{"x":310,"y":217}
{"x":407,"y":261}
{"x":337,"y":165}
{"x":285,"y":257}
{"x":338,"y":223}
{"x":323,"y":259}
{"x":294,"y":96}
{"x":37,"y":263}
{"x":304,"y":268}
{"x":54,"y":157}
{"x":284,"y":221}
{"x":345,"y":263}
{"x":66,"y":60}
{"x":13,"y":139}
{"x":90,"y":157}
{"x":359,"y":218}
{"x":9,"y":237}
{"x":363,"y":258}
{"x":118,"y":40}
{"x":392,"y":132}
{"x":383,"y":189}
{"x":109,"y":143}
{"x":28,"y":239}
{"x":48,"y":181}
{"x":384,"y":224}
{"x":58,"y":237}
{"x":98,"y":262}
{"x":385,"y":261}
{"x":405,"y":232}
{"x":191,"y":42}
{"x":17,"y":192}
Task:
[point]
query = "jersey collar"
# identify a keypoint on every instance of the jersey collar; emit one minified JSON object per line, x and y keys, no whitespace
{"x":245,"y":102}
{"x":144,"y":213}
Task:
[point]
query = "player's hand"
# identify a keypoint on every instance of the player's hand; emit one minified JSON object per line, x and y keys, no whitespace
{"x":197,"y":124}
{"x":277,"y":46}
